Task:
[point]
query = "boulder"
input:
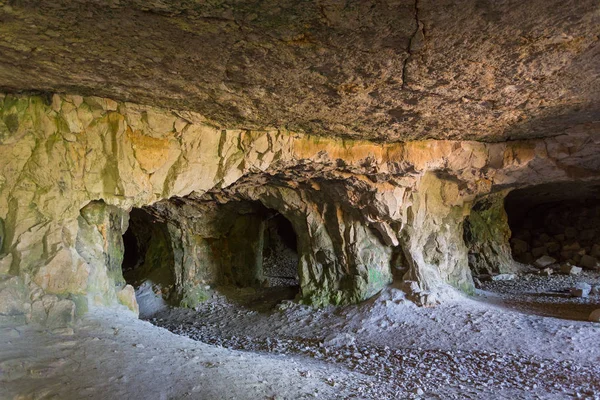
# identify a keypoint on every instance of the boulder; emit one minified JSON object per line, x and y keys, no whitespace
{"x":545,"y":238}
{"x":544,"y":261}
{"x":595,"y":252}
{"x":570,"y":232}
{"x":566,"y":255}
{"x":526,"y":258}
{"x":546,"y":272}
{"x":595,"y":316}
{"x":126,"y":297}
{"x":519,"y":246}
{"x":5,"y":263}
{"x":570,"y":269}
{"x":538,"y":252}
{"x":503,"y":277}
{"x":552,"y":247}
{"x":587,"y":234}
{"x":571,"y":247}
{"x":581,"y":289}
{"x":588,"y":262}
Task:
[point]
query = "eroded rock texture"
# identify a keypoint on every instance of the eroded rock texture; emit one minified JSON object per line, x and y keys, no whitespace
{"x":384,"y":70}
{"x":74,"y":167}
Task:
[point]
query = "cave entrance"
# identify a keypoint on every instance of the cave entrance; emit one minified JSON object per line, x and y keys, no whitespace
{"x":557,"y":222}
{"x":280,"y":252}
{"x":148,"y":262}
{"x":553,"y":232}
{"x":258,"y":256}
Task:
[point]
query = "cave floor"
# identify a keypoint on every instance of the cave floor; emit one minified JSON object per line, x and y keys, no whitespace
{"x":467,"y":348}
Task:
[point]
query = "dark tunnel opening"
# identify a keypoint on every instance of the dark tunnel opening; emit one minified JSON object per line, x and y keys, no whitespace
{"x":558,"y":221}
{"x":148,"y":262}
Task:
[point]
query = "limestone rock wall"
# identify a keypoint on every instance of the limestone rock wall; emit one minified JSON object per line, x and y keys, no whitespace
{"x":487,"y":234}
{"x":72,"y":167}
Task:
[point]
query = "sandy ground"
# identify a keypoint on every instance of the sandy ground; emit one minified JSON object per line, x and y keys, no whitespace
{"x":384,"y":348}
{"x":112,"y":355}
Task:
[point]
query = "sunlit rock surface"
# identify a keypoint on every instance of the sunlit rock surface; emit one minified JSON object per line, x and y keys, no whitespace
{"x":363,"y":212}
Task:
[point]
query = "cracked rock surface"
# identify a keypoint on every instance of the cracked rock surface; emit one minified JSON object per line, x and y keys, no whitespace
{"x":384,"y":70}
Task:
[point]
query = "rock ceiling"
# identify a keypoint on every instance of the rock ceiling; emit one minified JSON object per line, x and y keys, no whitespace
{"x":388,"y":70}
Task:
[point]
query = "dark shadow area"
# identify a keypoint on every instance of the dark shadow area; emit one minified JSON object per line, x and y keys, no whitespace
{"x":279,"y":252}
{"x":148,"y":261}
{"x":262,"y":269}
{"x":543,"y":304}
{"x":561,"y":221}
{"x":555,"y":230}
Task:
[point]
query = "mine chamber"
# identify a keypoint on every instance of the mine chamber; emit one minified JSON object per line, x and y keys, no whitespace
{"x":558,"y":221}
{"x":177,"y":252}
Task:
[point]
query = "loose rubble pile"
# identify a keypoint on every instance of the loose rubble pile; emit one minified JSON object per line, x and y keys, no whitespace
{"x":408,"y":371}
{"x":566,"y":237}
{"x":415,"y":371}
{"x":561,"y":238}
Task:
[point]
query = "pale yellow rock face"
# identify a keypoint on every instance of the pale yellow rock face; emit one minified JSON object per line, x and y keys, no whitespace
{"x":126,"y":297}
{"x":5,"y":263}
{"x":58,"y":157}
{"x":64,"y":273}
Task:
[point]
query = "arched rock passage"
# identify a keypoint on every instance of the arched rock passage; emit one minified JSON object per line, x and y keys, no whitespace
{"x":175,"y":251}
{"x":559,"y":221}
{"x":352,"y":203}
{"x":149,"y":261}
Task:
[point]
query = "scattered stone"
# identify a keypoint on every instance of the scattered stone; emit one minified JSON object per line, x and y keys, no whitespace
{"x":588,"y":262}
{"x":581,"y":289}
{"x":544,"y":261}
{"x":339,"y":340}
{"x":503,"y":277}
{"x":595,"y":290}
{"x":546,"y":272}
{"x":570,"y":269}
